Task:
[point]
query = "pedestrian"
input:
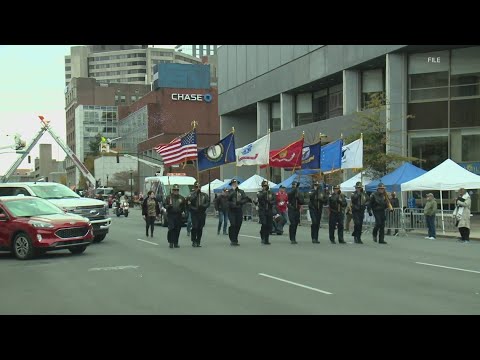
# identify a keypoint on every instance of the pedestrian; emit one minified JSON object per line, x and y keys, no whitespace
{"x":221,"y":205}
{"x":359,"y":201}
{"x":266,"y":202}
{"x":282,"y":203}
{"x":236,"y":200}
{"x":199,"y":203}
{"x":430,"y":210}
{"x":348,"y":216}
{"x":176,"y":207}
{"x":337,"y":204}
{"x":393,"y":216}
{"x":150,"y":211}
{"x":317,"y":200}
{"x":294,"y":203}
{"x":462,"y":215}
{"x":379,"y":203}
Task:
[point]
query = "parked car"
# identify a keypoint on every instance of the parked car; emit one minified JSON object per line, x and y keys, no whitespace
{"x":95,"y":210}
{"x":31,"y":226}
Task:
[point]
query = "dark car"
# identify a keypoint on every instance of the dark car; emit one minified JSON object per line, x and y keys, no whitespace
{"x":31,"y":226}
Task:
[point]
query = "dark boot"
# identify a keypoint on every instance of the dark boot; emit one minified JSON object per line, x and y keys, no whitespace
{"x":170,"y":245}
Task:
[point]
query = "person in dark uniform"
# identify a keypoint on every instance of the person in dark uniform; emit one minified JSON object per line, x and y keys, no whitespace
{"x":359,"y":202}
{"x":294,"y":203}
{"x":150,"y":211}
{"x":394,"y":218}
{"x":175,"y":205}
{"x":317,"y":200}
{"x":266,"y":202}
{"x":337,"y":205}
{"x":236,"y":200}
{"x":221,"y":205}
{"x":378,"y":204}
{"x":199,"y":203}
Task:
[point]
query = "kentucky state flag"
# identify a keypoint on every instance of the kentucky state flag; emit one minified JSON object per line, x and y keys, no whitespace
{"x":217,"y":155}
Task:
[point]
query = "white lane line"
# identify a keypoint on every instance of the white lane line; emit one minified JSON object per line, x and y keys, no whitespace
{"x":253,"y":237}
{"x":147,"y":242}
{"x":296,"y":284}
{"x":114,"y":268}
{"x":448,"y":267}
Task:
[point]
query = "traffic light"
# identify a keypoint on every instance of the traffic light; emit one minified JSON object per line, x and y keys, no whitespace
{"x":118,"y":158}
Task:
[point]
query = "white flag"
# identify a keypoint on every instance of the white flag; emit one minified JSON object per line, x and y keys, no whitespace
{"x":256,"y":153}
{"x":352,"y":155}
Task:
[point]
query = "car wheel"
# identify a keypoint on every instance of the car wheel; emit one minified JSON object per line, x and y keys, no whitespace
{"x":78,"y":249}
{"x":23,"y":247}
{"x":99,"y":238}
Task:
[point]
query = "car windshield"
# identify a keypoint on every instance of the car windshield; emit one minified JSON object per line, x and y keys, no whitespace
{"x":32,"y":207}
{"x":184,"y":190}
{"x":54,"y":191}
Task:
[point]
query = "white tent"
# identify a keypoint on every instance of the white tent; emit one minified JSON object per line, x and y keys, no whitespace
{"x":446,"y":176}
{"x":349,"y":185}
{"x":213,"y":185}
{"x":254,"y":184}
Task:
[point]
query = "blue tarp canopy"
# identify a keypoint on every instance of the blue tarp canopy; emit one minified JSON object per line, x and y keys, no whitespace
{"x":392,"y":181}
{"x":305,"y":183}
{"x":227,"y":185}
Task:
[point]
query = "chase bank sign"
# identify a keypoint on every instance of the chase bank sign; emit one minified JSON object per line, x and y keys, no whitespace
{"x":192,"y":97}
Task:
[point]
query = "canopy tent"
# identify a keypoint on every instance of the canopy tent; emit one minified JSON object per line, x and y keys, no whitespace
{"x":254,"y":184}
{"x":349,"y":185}
{"x":446,"y":176}
{"x":226,"y":185}
{"x":213,"y":185}
{"x":305,"y":183}
{"x":401,"y":175}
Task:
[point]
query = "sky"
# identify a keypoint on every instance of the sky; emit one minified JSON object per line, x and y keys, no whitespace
{"x":32,"y":83}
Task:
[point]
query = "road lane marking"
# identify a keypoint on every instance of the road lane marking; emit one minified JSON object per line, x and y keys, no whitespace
{"x":296,"y":284}
{"x":114,"y":268}
{"x":253,"y":237}
{"x":448,"y":267}
{"x":147,"y":242}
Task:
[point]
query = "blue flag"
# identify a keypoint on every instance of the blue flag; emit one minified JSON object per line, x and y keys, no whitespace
{"x":311,"y":157}
{"x":331,"y":156}
{"x":217,"y":155}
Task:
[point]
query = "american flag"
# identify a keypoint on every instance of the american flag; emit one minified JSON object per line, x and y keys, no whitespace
{"x":180,"y":149}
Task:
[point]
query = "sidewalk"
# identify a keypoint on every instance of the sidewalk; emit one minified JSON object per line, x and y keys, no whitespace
{"x":474,"y":230}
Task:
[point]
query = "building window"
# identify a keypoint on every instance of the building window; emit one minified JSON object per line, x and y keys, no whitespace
{"x":373,"y":84}
{"x":276,"y":175}
{"x":428,"y":76}
{"x":428,"y":115}
{"x":303,"y":109}
{"x":275,"y":121}
{"x":320,"y":105}
{"x":465,"y":72}
{"x":431,"y":151}
{"x":471,"y":147}
{"x":67,"y":61}
{"x":335,"y":101}
{"x":122,"y":99}
{"x":133,"y":98}
{"x":464,"y":113}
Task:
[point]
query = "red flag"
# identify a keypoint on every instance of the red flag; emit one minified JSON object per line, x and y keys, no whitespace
{"x":288,"y":157}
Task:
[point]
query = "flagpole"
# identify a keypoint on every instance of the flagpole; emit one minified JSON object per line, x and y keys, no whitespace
{"x":298,"y":177}
{"x":194,"y":125}
{"x":361,"y":170}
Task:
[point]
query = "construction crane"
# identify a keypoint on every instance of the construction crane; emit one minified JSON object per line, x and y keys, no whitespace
{"x":149,"y":163}
{"x":44,"y":128}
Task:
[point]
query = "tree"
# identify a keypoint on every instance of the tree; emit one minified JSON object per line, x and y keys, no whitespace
{"x":121,"y":180}
{"x":94,"y":145}
{"x":371,"y":123}
{"x":63,"y":179}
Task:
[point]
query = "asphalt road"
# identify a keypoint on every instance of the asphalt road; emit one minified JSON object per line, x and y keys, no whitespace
{"x":129,"y":273}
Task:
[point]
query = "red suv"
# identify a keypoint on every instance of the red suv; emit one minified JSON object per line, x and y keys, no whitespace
{"x":31,"y":226}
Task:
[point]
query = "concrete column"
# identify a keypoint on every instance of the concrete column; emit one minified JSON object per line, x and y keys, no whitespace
{"x":287,"y":118}
{"x":351,"y":91}
{"x":396,"y":98}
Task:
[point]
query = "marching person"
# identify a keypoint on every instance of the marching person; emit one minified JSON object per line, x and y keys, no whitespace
{"x":221,"y":205}
{"x":150,"y":211}
{"x":359,"y":201}
{"x":236,"y":200}
{"x":337,"y":205}
{"x":393,"y":217}
{"x":266,"y":202}
{"x":199,"y":203}
{"x":317,"y":200}
{"x":175,"y":205}
{"x":294,"y":203}
{"x":462,"y":214}
{"x":429,"y":211}
{"x":282,"y":202}
{"x":379,"y":203}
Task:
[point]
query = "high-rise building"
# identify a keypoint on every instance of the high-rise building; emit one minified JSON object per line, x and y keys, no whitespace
{"x":132,"y":64}
{"x":197,"y":50}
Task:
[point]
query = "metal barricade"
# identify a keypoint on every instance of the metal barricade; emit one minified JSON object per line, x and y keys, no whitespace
{"x":414,"y":219}
{"x":393,"y":220}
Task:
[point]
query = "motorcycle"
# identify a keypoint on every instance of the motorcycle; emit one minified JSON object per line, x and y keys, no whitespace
{"x":122,"y":209}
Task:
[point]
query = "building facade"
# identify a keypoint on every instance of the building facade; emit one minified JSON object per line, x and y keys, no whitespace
{"x":132,"y":64}
{"x":432,"y":95}
{"x":197,"y":50}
